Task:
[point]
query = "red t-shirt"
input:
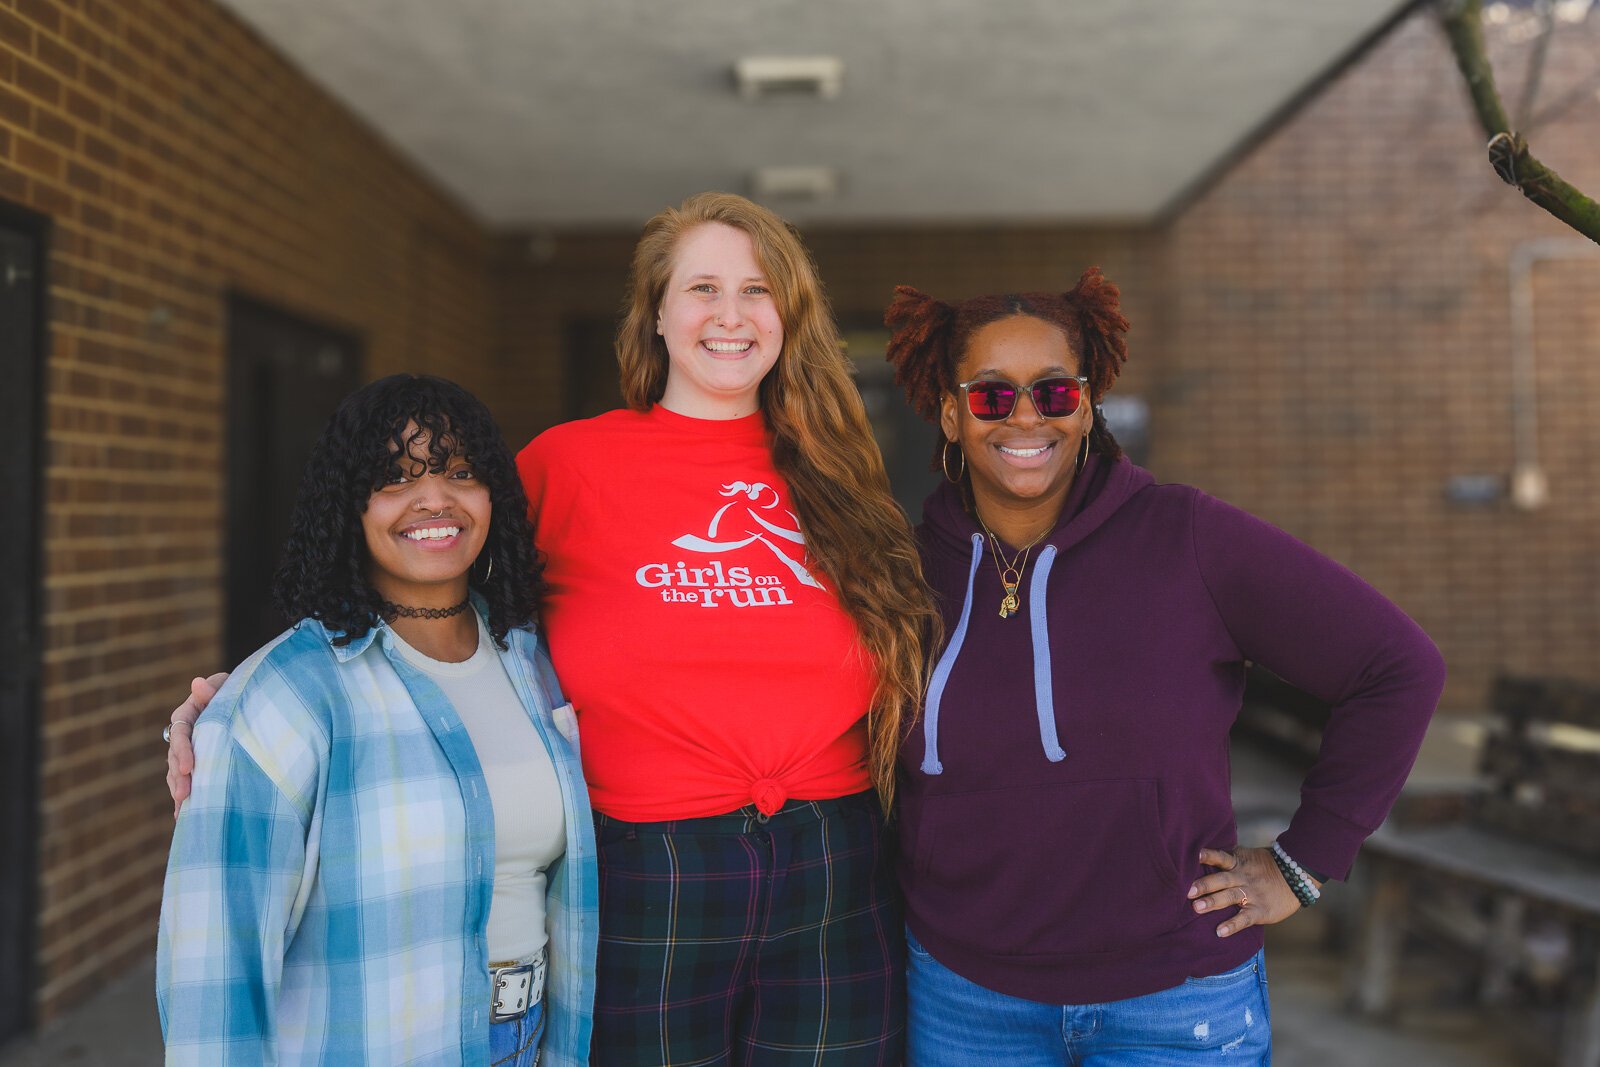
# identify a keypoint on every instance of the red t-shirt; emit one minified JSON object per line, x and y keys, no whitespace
{"x":710,"y":668}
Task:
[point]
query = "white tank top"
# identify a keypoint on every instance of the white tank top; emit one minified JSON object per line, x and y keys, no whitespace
{"x":529,"y":825}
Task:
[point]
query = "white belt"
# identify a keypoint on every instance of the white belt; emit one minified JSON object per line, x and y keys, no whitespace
{"x":516,"y":988}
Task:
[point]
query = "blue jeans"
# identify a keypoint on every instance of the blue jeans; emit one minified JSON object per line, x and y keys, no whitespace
{"x":515,"y":1043}
{"x":1222,"y":1019}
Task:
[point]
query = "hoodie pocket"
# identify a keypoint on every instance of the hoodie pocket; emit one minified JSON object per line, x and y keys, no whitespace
{"x":1057,"y":869}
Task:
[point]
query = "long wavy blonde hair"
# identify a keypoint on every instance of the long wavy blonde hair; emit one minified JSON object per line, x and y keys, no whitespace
{"x":822,"y":445}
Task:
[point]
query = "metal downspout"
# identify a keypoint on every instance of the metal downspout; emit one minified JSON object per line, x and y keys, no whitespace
{"x":1529,"y":487}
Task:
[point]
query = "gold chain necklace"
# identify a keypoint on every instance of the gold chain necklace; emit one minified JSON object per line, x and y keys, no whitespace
{"x":1010,"y":573}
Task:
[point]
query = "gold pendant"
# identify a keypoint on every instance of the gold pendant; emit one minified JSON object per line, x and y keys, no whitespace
{"x":1009,"y":606}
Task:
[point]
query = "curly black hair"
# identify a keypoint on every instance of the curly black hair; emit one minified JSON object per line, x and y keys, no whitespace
{"x":323,"y":572}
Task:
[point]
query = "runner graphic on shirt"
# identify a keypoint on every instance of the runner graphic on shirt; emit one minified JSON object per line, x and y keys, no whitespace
{"x":765,"y":497}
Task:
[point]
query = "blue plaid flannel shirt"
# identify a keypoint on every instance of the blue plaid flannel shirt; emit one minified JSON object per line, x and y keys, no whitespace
{"x":328,"y":886}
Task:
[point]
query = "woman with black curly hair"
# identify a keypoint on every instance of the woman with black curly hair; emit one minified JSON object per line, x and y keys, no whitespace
{"x":387,"y":855}
{"x":1073,"y":884}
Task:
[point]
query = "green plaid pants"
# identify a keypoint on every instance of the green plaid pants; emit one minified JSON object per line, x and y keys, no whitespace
{"x":733,"y":940}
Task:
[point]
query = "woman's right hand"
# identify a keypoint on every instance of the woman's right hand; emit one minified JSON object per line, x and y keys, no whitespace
{"x":180,"y":750}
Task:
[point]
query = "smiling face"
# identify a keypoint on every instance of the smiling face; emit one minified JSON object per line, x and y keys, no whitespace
{"x":415,"y":558}
{"x":1023,"y":466}
{"x":720,"y":323}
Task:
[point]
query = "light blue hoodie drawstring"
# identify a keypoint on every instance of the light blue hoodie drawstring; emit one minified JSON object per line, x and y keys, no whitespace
{"x":941,"y":671}
{"x":1043,"y":684}
{"x":1044,"y":700}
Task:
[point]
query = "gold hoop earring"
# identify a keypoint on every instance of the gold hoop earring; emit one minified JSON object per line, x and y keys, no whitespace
{"x":1084,"y":457}
{"x":944,"y":462}
{"x":488,"y":571}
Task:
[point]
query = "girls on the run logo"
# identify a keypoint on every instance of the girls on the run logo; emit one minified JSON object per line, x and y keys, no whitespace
{"x":716,"y":584}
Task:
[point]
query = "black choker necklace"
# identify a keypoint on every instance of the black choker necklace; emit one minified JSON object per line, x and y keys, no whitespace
{"x":392,"y":610}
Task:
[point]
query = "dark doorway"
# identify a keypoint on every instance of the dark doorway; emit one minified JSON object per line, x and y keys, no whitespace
{"x":592,"y":382}
{"x":904,"y":439}
{"x":285,"y":377}
{"x":22,"y":353}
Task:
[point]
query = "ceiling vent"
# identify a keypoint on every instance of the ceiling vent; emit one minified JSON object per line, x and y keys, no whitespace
{"x":805,"y":77}
{"x":794,"y":183}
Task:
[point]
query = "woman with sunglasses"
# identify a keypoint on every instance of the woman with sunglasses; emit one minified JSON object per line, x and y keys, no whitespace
{"x":1073,"y":887}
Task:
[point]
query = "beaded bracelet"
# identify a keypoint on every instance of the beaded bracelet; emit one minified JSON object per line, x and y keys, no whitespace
{"x":1305,"y":891}
{"x":1299,"y":888}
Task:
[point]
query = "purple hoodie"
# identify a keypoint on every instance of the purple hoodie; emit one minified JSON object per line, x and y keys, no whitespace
{"x":1072,"y":760}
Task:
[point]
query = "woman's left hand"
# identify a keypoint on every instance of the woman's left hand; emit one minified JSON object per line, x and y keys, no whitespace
{"x":1248,"y":878}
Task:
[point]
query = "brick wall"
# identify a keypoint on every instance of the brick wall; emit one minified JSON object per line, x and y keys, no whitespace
{"x":1337,"y":342}
{"x":543,"y":284}
{"x":179,"y":159}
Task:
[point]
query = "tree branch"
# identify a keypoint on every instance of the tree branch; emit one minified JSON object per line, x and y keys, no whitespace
{"x":1508,"y":152}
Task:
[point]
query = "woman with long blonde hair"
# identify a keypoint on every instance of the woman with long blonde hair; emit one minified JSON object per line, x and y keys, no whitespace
{"x":734,"y":605}
{"x":822,"y":445}
{"x":736,"y":608}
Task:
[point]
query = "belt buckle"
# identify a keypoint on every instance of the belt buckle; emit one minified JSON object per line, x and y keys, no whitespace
{"x":513,"y":990}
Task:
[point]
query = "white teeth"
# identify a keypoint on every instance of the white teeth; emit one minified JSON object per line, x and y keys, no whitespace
{"x":437,"y":533}
{"x":729,"y":346}
{"x":1025,"y":453}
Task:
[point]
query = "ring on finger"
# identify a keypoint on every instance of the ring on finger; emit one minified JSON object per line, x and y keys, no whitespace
{"x":1244,"y":897}
{"x":166,"y":731}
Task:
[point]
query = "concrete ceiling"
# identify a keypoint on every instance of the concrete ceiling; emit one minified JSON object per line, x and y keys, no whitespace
{"x":567,"y":113}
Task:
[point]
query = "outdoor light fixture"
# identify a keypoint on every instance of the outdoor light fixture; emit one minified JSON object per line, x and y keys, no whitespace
{"x":768,"y":77}
{"x":794,"y":183}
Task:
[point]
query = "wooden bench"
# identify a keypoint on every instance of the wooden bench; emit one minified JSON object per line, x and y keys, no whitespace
{"x":1515,"y":881}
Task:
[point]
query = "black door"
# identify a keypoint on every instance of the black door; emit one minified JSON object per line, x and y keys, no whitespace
{"x":285,"y":377}
{"x":904,"y":439}
{"x":21,"y":370}
{"x":593,"y":384}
